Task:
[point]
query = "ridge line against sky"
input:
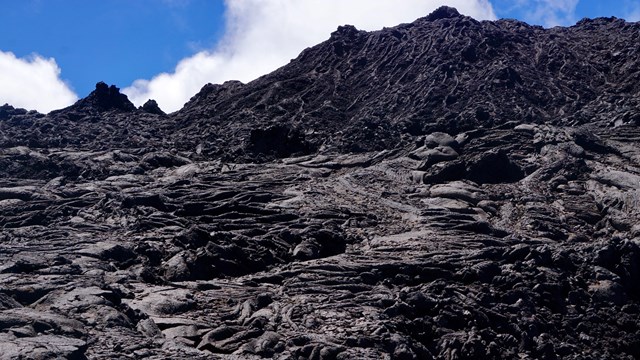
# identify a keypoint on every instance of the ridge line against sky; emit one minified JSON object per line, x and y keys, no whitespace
{"x":201,"y":41}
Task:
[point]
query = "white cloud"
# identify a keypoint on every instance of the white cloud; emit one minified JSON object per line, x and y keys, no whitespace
{"x":262,"y":35}
{"x":634,"y":12}
{"x":33,"y":83}
{"x":549,"y":13}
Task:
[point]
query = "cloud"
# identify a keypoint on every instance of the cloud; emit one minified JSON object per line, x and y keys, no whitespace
{"x":633,"y":13}
{"x":33,"y":83}
{"x":262,"y":35}
{"x":548,"y":13}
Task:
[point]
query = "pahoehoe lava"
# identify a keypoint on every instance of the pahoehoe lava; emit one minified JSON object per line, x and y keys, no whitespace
{"x":444,"y":189}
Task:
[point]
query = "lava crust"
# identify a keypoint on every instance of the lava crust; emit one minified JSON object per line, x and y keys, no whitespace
{"x":445,"y":189}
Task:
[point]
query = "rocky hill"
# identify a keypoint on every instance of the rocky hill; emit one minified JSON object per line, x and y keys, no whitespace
{"x":447,"y":189}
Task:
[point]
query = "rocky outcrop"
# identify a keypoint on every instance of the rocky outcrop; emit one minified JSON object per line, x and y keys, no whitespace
{"x":151,"y":106}
{"x":104,"y":98}
{"x":446,"y":189}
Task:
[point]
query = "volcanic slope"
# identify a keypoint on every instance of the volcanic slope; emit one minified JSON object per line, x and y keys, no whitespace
{"x":362,"y":91}
{"x":447,"y":189}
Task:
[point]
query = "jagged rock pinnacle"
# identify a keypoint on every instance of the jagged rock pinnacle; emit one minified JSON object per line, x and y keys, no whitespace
{"x":151,"y":107}
{"x":443,"y":12}
{"x":105,"y":98}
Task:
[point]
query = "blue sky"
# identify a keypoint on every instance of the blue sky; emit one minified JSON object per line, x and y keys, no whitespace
{"x":116,"y":41}
{"x":54,"y":51}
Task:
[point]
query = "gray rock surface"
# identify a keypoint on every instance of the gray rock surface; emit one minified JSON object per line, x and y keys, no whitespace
{"x":499,"y":224}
